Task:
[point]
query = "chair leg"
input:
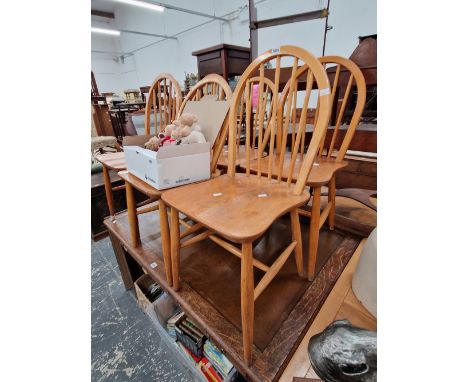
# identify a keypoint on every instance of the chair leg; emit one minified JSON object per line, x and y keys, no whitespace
{"x":175,"y":247}
{"x":331,"y":199}
{"x":247,"y":300}
{"x":108,"y":190}
{"x":132,"y":216}
{"x":165,"y":241}
{"x":296,"y":236}
{"x":314,"y":230}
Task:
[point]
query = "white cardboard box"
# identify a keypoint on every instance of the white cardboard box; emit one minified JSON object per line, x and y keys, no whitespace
{"x":171,"y":166}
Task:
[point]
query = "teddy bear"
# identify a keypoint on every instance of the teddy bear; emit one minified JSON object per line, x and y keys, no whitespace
{"x":153,"y":144}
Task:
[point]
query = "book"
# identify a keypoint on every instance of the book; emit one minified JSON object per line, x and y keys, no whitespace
{"x":217,"y":358}
{"x":193,"y":358}
{"x":196,"y":347}
{"x":209,"y":371}
{"x":185,"y":354}
{"x":195,"y":338}
{"x":188,"y":328}
{"x":193,"y":327}
{"x":170,"y":326}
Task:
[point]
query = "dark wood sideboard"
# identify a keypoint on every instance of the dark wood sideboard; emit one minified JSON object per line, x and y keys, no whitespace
{"x":223,"y":59}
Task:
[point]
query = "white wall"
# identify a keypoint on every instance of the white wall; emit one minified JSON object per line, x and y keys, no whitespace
{"x":349,"y":18}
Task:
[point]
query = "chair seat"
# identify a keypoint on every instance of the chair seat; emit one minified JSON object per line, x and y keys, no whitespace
{"x":240,"y":156}
{"x":321,"y":173}
{"x":141,"y":186}
{"x":113,"y":161}
{"x":239,"y":208}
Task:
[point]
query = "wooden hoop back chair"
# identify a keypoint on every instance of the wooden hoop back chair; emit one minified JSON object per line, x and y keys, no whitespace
{"x":212,"y":86}
{"x":164,"y":100}
{"x":239,"y":208}
{"x":170,"y":101}
{"x":333,"y":147}
{"x":224,"y":93}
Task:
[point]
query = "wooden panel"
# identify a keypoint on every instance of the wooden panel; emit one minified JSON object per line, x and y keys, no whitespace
{"x":238,"y":54}
{"x":129,"y":268}
{"x":360,"y":173}
{"x":211,"y":66}
{"x":209,"y":56}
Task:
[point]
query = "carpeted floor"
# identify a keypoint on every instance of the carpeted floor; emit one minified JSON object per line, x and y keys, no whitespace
{"x":125,"y":346}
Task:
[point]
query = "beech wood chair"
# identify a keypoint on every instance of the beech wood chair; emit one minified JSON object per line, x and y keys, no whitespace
{"x":239,"y":208}
{"x":164,"y":98}
{"x":223,"y":92}
{"x":170,"y":101}
{"x":330,"y":157}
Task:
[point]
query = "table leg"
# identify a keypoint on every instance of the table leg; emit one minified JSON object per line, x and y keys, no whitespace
{"x":109,"y":194}
{"x":165,"y":240}
{"x":331,"y":199}
{"x":314,"y":231}
{"x":132,"y":216}
{"x":175,"y":247}
{"x":247,"y":300}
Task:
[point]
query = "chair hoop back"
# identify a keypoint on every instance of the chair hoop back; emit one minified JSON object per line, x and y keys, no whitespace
{"x":216,"y":87}
{"x":210,"y":85}
{"x":348,"y":73}
{"x":317,"y":76}
{"x":164,"y":98}
{"x":263,"y":106}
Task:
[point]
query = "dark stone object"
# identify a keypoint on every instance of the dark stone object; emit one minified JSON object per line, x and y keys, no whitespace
{"x":344,"y":353}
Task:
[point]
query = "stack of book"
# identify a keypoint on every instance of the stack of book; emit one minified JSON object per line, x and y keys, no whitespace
{"x":170,"y":326}
{"x":190,"y":336}
{"x":188,"y":355}
{"x":218,"y":360}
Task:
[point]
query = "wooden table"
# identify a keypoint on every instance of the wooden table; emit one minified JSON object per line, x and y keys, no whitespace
{"x":270,"y":361}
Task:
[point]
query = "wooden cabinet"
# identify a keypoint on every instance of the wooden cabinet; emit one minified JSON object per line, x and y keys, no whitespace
{"x":225,"y":60}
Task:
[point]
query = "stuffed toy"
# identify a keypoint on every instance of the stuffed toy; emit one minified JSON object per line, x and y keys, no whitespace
{"x":184,"y":130}
{"x":153,"y":144}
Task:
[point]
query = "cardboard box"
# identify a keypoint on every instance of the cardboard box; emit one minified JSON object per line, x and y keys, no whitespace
{"x":142,"y":284}
{"x":171,"y":166}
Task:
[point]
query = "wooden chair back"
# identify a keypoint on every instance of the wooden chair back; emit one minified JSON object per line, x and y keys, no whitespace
{"x":316,"y":79}
{"x":260,"y":116}
{"x":164,"y":99}
{"x":215,"y":87}
{"x":349,"y":74}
